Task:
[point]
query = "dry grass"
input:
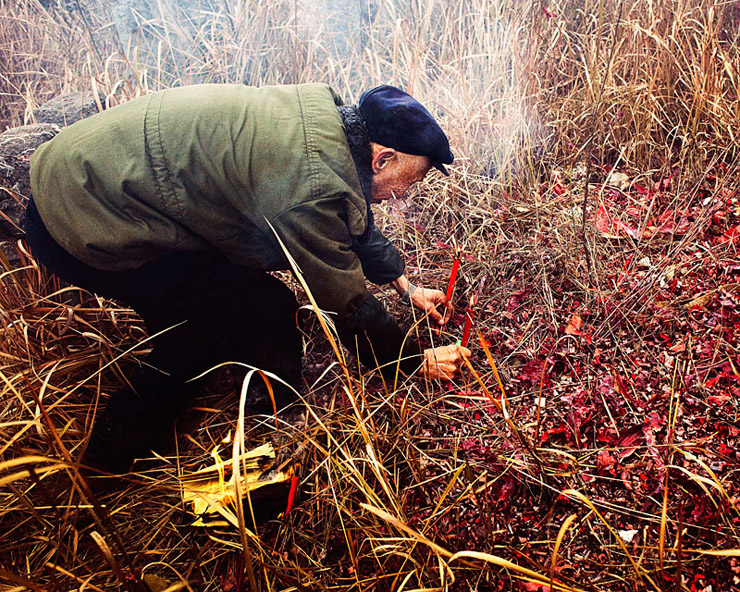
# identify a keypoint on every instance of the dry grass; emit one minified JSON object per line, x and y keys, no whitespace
{"x":419,"y":486}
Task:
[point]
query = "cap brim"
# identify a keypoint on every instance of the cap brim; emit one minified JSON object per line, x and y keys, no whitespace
{"x":440,"y":167}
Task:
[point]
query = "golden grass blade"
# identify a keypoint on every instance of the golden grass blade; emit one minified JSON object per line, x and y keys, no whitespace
{"x":85,"y":583}
{"x":518,"y":569}
{"x":638,"y":572}
{"x":330,"y":334}
{"x":182,"y":584}
{"x":558,"y":540}
{"x":51,"y":466}
{"x":504,"y":403}
{"x":110,"y":559}
{"x":445,"y":493}
{"x":652,"y":92}
{"x":716,"y":552}
{"x":523,"y":440}
{"x":238,"y":450}
{"x":410,"y":531}
{"x":24,"y":583}
{"x":451,"y":557}
{"x":714,"y":482}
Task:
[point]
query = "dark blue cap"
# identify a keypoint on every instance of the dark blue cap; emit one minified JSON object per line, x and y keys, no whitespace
{"x":397,"y":120}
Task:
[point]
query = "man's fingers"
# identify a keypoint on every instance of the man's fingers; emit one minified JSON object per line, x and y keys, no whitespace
{"x":449,"y":309}
{"x":445,"y":318}
{"x":445,"y":362}
{"x":435,"y":315}
{"x":445,"y":374}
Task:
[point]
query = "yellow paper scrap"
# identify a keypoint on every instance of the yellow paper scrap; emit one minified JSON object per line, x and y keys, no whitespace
{"x":210,"y":492}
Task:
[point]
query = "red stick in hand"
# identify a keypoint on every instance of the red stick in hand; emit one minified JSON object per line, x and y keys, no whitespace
{"x":453,"y":277}
{"x":468,"y":322}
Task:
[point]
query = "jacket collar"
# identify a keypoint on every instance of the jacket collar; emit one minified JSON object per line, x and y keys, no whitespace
{"x":362,"y":155}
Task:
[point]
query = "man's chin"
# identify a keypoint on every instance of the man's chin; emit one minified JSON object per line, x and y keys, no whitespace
{"x":376,"y":199}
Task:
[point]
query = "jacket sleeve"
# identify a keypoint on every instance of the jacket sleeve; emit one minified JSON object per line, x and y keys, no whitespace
{"x":381,"y":262}
{"x":316,"y":236}
{"x":376,"y":339}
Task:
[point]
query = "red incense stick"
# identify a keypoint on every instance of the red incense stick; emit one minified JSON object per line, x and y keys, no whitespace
{"x":453,"y":277}
{"x":468,"y":322}
{"x":291,"y":495}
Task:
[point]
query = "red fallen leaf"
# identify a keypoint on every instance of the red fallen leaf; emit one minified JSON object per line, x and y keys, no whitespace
{"x":625,"y":476}
{"x":629,"y":442}
{"x":679,"y":347}
{"x":603,"y":220}
{"x":651,"y":443}
{"x":531,"y":372}
{"x":724,"y":449}
{"x":607,"y":435}
{"x":641,"y":189}
{"x":535,"y":587}
{"x":574,"y":325}
{"x":556,"y":430}
{"x":665,"y":224}
{"x":612,"y":228}
{"x":670,"y":228}
{"x":558,"y":189}
{"x":605,"y":459}
{"x":725,"y":301}
{"x":718,"y":217}
{"x":731,"y":235}
{"x":712,"y":382}
{"x":719,"y":399}
{"x":654,"y":420}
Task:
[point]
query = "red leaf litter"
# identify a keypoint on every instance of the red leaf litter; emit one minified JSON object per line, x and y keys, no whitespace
{"x":574,"y":325}
{"x":629,"y":390}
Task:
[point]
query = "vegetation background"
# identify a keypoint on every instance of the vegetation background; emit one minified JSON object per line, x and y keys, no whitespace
{"x":593,"y":442}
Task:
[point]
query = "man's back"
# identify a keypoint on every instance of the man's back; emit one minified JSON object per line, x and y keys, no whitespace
{"x":193,"y":168}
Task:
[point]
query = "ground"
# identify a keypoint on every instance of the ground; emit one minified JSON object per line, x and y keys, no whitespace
{"x":597,"y":424}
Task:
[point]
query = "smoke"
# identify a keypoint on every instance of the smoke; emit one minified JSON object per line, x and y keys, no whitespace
{"x":468,"y":61}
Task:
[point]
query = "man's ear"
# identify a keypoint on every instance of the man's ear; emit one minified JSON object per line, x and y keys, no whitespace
{"x":382,"y":157}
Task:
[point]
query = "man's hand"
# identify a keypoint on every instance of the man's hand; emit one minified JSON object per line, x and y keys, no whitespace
{"x":444,"y":362}
{"x":432,"y":302}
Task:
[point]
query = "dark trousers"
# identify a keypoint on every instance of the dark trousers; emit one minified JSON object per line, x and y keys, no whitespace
{"x":210,"y":310}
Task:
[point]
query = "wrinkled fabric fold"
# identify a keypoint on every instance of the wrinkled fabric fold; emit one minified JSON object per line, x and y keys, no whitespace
{"x":377,"y":340}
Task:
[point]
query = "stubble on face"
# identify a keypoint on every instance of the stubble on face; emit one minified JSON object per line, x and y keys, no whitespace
{"x":395,"y":181}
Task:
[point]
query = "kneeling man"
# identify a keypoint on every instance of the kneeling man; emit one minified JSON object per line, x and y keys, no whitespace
{"x":170,"y":203}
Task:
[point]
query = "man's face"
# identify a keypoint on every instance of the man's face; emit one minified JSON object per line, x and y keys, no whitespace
{"x":395,"y":172}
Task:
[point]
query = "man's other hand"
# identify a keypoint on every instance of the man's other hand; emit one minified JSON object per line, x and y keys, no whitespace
{"x":444,"y":362}
{"x":433,"y":302}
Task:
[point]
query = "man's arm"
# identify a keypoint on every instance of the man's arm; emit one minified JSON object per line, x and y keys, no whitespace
{"x":382,"y":264}
{"x":379,"y":341}
{"x":425,"y":299}
{"x":315,"y":236}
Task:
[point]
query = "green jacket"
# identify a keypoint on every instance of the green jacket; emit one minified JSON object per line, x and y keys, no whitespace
{"x":206,"y":168}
